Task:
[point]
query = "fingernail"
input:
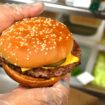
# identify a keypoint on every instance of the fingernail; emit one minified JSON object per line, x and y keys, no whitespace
{"x":39,"y":4}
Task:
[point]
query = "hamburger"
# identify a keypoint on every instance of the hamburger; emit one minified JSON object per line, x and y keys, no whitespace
{"x":38,"y":52}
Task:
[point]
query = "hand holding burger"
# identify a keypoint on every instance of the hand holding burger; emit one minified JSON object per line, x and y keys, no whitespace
{"x":58,"y":94}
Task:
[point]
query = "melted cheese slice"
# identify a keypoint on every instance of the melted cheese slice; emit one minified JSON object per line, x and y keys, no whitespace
{"x":24,"y":69}
{"x":69,"y":60}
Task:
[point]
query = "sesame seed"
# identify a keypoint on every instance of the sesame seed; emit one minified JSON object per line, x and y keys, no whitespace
{"x":8,"y":57}
{"x":30,"y":52}
{"x":5,"y":49}
{"x":17,"y":47}
{"x":28,"y":49}
{"x":54,"y":27}
{"x":9,"y":45}
{"x":33,"y":42}
{"x":53,"y":35}
{"x":51,"y":48}
{"x":15,"y":64}
{"x":57,"y":24}
{"x":13,"y":54}
{"x":60,"y":38}
{"x":35,"y":51}
{"x":34,"y":46}
{"x":46,"y":49}
{"x":1,"y":43}
{"x":67,"y":37}
{"x":27,"y":58}
{"x":54,"y":42}
{"x":52,"y":79}
{"x":45,"y":53}
{"x":49,"y":42}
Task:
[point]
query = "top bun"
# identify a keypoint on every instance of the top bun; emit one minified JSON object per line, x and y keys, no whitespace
{"x":34,"y":42}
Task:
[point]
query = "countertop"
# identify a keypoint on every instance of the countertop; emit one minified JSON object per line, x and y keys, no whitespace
{"x":78,"y":97}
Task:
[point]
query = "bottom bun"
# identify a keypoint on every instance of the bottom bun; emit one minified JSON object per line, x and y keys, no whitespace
{"x":30,"y":81}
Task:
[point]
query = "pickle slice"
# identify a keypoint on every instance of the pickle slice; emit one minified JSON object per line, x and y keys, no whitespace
{"x":56,"y":64}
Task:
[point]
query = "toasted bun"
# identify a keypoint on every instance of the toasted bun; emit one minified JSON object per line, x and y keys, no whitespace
{"x":34,"y":42}
{"x":30,"y":81}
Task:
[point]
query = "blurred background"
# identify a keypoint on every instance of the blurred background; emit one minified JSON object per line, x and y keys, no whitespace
{"x":86,"y":21}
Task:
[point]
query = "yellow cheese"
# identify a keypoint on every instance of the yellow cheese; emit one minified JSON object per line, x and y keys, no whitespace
{"x":24,"y":69}
{"x":69,"y":60}
{"x":48,"y":67}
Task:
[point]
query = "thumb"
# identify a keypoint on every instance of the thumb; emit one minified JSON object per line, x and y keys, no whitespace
{"x":12,"y":12}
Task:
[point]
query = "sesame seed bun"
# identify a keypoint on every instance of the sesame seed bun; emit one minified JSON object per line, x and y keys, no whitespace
{"x":34,"y":42}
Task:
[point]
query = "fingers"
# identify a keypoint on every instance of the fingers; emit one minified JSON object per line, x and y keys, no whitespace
{"x":59,"y":94}
{"x":61,"y":91}
{"x":23,"y":11}
{"x":12,"y":12}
